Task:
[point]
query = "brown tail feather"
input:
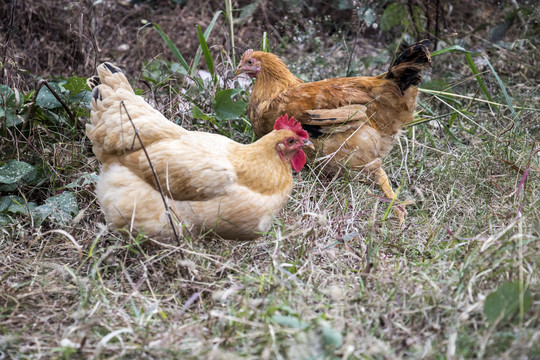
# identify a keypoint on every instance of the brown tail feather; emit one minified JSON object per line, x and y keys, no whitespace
{"x":405,"y":70}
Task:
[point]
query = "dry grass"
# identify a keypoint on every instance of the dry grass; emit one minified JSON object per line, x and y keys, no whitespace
{"x":330,"y":267}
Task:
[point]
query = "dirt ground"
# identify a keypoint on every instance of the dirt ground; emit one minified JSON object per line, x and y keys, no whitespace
{"x":65,"y":38}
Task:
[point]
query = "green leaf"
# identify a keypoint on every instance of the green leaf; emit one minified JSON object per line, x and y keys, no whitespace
{"x":172,"y":47}
{"x":369,"y":16}
{"x":60,"y":208}
{"x":206,"y":52}
{"x":82,"y":98}
{"x":504,"y":303}
{"x":289,"y":321}
{"x":452,"y":49}
{"x":15,"y":205}
{"x":11,"y":118}
{"x":476,"y":73}
{"x":503,"y":88}
{"x":225,"y":107}
{"x":8,"y":187}
{"x":198,"y":114}
{"x":83,"y":181}
{"x":76,"y":84}
{"x":200,"y":48}
{"x":8,"y":99}
{"x":46,"y":99}
{"x":332,"y":338}
{"x":4,"y":219}
{"x":13,"y":171}
{"x":474,"y":70}
{"x":393,"y":15}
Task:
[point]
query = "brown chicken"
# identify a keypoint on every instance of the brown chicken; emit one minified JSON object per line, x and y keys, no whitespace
{"x":210,"y":182}
{"x":352,"y":121}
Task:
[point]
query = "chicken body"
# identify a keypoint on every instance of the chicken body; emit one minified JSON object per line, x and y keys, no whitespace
{"x":210,"y":182}
{"x":352,"y":122}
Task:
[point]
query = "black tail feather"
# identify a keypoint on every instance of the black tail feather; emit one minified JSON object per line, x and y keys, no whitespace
{"x":112,"y":68}
{"x":405,"y":69}
{"x":96,"y":94}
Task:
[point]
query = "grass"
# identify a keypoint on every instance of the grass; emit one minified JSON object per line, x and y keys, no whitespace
{"x":333,"y":279}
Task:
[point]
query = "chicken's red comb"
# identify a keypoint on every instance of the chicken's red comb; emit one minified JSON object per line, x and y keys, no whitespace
{"x":283,"y":122}
{"x":247,"y":54}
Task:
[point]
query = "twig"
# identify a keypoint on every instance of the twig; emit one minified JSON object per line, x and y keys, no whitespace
{"x":33,"y":103}
{"x":349,"y":61}
{"x":413,"y":19}
{"x":185,"y":272}
{"x":8,"y":35}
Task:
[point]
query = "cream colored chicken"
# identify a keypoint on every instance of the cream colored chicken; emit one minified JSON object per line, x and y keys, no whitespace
{"x":211,"y":183}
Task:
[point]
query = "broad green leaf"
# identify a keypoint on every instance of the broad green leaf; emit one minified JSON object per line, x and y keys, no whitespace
{"x":83,"y":98}
{"x":225,"y":107}
{"x":76,"y":84}
{"x":46,"y":99}
{"x":83,"y":180}
{"x":8,"y":99}
{"x":60,"y":208}
{"x":7,"y":201}
{"x":8,"y":106}
{"x":289,"y":321}
{"x":393,"y":15}
{"x":369,"y":16}
{"x":198,"y":114}
{"x":15,"y":205}
{"x":11,"y":118}
{"x":40,"y":213}
{"x":8,"y":187}
{"x":13,"y":171}
{"x":332,"y":337}
{"x":4,"y":219}
{"x":504,"y":302}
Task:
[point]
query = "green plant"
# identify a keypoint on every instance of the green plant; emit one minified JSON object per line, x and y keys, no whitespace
{"x":56,"y":108}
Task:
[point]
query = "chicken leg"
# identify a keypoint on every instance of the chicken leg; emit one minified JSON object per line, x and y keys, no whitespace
{"x":384,"y":183}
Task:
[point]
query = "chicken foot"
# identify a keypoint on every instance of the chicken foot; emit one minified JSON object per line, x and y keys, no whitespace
{"x":384,"y":183}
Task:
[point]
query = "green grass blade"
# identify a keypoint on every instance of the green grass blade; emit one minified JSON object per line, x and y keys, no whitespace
{"x":229,"y":16}
{"x":468,"y":56}
{"x":503,"y":88}
{"x":475,"y":71}
{"x":452,"y":49}
{"x":172,"y":47}
{"x":206,"y":53}
{"x":472,"y":66}
{"x":264,"y":45}
{"x":199,"y":52}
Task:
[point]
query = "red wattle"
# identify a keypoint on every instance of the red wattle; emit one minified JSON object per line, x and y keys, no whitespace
{"x":298,"y":161}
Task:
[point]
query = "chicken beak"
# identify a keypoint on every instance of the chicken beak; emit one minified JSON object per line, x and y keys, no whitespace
{"x":239,"y":70}
{"x":309,"y":144}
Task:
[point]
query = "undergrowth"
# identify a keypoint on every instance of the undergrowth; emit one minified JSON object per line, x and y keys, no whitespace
{"x":335,"y":277}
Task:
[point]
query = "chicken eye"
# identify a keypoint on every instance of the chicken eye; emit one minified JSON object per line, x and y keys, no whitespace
{"x":290,"y":141}
{"x":250,"y":62}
